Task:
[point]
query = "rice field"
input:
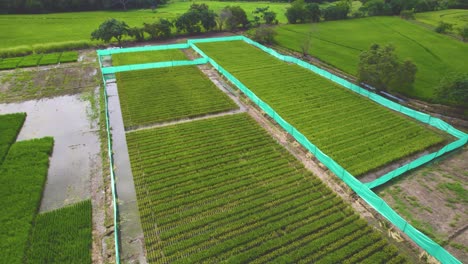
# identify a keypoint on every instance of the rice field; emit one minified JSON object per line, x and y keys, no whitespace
{"x":165,"y":94}
{"x":38,"y":60}
{"x":221,"y":190}
{"x":147,"y":57}
{"x":358,"y":134}
{"x":10,"y":126}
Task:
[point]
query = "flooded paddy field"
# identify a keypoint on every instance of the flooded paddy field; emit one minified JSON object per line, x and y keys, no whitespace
{"x":76,"y":154}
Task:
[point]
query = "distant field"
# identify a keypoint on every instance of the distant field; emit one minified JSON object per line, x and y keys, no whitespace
{"x":339,"y":43}
{"x":357,"y":133}
{"x":457,"y":17}
{"x":222,"y":190}
{"x":18,"y":30}
{"x":165,"y":94}
{"x":147,"y":57}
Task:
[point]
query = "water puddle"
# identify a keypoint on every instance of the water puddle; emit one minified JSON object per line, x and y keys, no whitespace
{"x":76,"y":154}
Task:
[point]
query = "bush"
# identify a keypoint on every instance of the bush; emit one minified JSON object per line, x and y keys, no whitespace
{"x":336,"y":12}
{"x":464,"y":32}
{"x":443,"y":27}
{"x":407,"y":14}
{"x":265,"y":34}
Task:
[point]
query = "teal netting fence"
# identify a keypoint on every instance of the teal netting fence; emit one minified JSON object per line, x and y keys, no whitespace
{"x":363,"y":190}
{"x":112,"y":173}
{"x":108,"y":52}
{"x":153,"y":65}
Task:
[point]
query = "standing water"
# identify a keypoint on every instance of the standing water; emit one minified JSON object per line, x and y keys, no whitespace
{"x":76,"y":154}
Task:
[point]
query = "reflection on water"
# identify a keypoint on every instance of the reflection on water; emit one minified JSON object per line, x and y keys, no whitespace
{"x":76,"y":150}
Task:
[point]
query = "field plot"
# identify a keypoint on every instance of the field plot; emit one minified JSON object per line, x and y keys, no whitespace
{"x":457,"y":17}
{"x":221,"y":189}
{"x":10,"y":126}
{"x":23,"y":174}
{"x":38,"y":60}
{"x":62,"y":236}
{"x":339,"y":43}
{"x":164,"y":94}
{"x":147,"y":57}
{"x":357,"y":133}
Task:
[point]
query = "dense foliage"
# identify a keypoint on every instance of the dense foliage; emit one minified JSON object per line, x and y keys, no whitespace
{"x":221,"y":190}
{"x":62,"y":236}
{"x":382,"y":69}
{"x":453,"y":89}
{"x":38,"y":60}
{"x":41,"y":6}
{"x":109,"y":29}
{"x":23,"y":175}
{"x":357,"y":133}
{"x":165,"y":94}
{"x":10,"y":126}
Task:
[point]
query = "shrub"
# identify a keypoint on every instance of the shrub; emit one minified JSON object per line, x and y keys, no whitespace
{"x":407,"y":14}
{"x":443,"y":27}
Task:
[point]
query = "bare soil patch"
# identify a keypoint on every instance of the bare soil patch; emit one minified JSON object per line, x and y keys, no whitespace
{"x":434,"y":199}
{"x":49,"y":81}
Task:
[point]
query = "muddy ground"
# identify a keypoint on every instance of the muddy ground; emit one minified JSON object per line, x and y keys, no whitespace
{"x":49,"y":81}
{"x":63,"y":101}
{"x":434,"y":199}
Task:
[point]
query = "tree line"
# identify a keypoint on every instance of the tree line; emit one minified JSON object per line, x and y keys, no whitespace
{"x":47,"y":6}
{"x":198,"y":18}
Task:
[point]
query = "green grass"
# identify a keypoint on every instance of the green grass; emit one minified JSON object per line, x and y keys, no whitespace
{"x":30,"y":61}
{"x":27,"y":30}
{"x":10,"y":126}
{"x":10,"y":63}
{"x":222,"y":190}
{"x":23,"y":174}
{"x":457,"y":17}
{"x":339,"y":43}
{"x":147,"y":57}
{"x":165,"y":94}
{"x":48,"y":59}
{"x":62,"y":236}
{"x":357,"y":133}
{"x":38,"y":59}
{"x":68,"y":56}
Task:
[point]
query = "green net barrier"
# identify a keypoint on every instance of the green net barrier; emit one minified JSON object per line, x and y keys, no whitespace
{"x":361,"y":189}
{"x":152,"y":65}
{"x":111,"y":168}
{"x":139,"y":49}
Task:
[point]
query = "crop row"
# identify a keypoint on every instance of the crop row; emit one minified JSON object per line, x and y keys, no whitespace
{"x":357,"y":133}
{"x":10,"y":126}
{"x":38,"y":60}
{"x":147,"y":57}
{"x":165,"y":94}
{"x":228,"y":192}
{"x":62,"y":236}
{"x":23,"y":174}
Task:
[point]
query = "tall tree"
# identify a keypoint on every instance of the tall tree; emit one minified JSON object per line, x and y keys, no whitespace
{"x":111,"y":28}
{"x":380,"y":67}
